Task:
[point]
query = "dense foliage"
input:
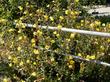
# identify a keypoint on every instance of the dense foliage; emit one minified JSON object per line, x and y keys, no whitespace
{"x":38,"y":55}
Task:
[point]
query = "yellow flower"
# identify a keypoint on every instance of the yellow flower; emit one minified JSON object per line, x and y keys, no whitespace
{"x":33,"y":40}
{"x":33,"y":74}
{"x":46,"y":17}
{"x":108,"y":40}
{"x":68,"y":40}
{"x":97,"y":22}
{"x":2,"y":42}
{"x":47,"y":47}
{"x":72,"y":13}
{"x":52,"y":59}
{"x":39,"y":33}
{"x":82,"y":21}
{"x":10,"y":64}
{"x":20,"y":38}
{"x":58,"y":35}
{"x":79,"y":54}
{"x":9,"y":57}
{"x":33,"y":44}
{"x":55,"y":32}
{"x":34,"y":25}
{"x":87,"y":57}
{"x":19,"y":31}
{"x":34,"y":63}
{"x":3,"y":20}
{"x":19,"y":48}
{"x":20,"y":8}
{"x":25,"y":12}
{"x":103,"y":24}
{"x":92,"y":57}
{"x":52,"y":41}
{"x":70,"y":66}
{"x":27,"y":61}
{"x":34,"y":33}
{"x":51,"y":18}
{"x":71,"y":62}
{"x":70,"y":57}
{"x":36,"y":51}
{"x":59,"y":26}
{"x":5,"y":80}
{"x":102,"y":47}
{"x":67,"y":12}
{"x":15,"y":60}
{"x":82,"y":67}
{"x":76,"y":1}
{"x":92,"y":25}
{"x":23,"y":81}
{"x":61,"y":17}
{"x":72,"y":35}
{"x":48,"y":5}
{"x":21,"y":63}
{"x":10,"y":30}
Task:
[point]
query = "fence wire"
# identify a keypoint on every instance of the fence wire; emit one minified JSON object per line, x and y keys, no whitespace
{"x":103,"y":34}
{"x":79,"y":58}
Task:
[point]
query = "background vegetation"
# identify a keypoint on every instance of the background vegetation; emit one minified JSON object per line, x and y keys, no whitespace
{"x":38,"y":55}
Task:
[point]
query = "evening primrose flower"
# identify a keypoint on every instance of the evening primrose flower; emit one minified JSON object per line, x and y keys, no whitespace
{"x":97,"y":22}
{"x":52,"y":41}
{"x":5,"y":80}
{"x":87,"y":57}
{"x":67,"y":12}
{"x":34,"y":26}
{"x":10,"y":64}
{"x":58,"y":35}
{"x":76,"y":1}
{"x":25,"y":12}
{"x":59,"y":26}
{"x":70,"y":66}
{"x":51,"y":18}
{"x":34,"y":33}
{"x":34,"y":63}
{"x":47,"y":47}
{"x":82,"y":66}
{"x":33,"y":44}
{"x":46,"y":17}
{"x":103,"y":24}
{"x":33,"y":74}
{"x":61,"y":17}
{"x":71,"y":62}
{"x":19,"y":31}
{"x":39,"y":32}
{"x":28,"y":61}
{"x":15,"y":60}
{"x":68,"y":40}
{"x":92,"y":25}
{"x":20,"y":8}
{"x":20,"y":38}
{"x":33,"y":40}
{"x":70,"y":57}
{"x":52,"y":59}
{"x":36,"y":51}
{"x":72,"y":35}
{"x":92,"y":57}
{"x":10,"y":30}
{"x":102,"y":47}
{"x":9,"y":57}
{"x":55,"y":32}
{"x":79,"y":54}
{"x":21,"y":63}
{"x":19,"y":48}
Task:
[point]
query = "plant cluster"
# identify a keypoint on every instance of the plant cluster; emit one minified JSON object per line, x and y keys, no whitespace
{"x":38,"y":55}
